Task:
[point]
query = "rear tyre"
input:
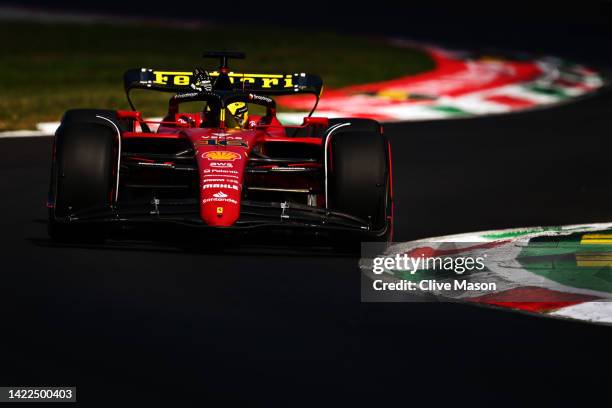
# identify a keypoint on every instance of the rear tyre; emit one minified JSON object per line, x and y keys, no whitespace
{"x":358,"y":181}
{"x":82,"y":174}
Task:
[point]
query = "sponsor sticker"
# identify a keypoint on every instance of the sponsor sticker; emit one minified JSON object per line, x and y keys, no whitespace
{"x":225,"y":165}
{"x":220,"y":142}
{"x":185,"y":95}
{"x":220,"y":155}
{"x":257,"y":80}
{"x":220,"y":185}
{"x":223,"y":135}
{"x":219,"y":200}
{"x":219,"y":172}
{"x":171,"y":77}
{"x":260,"y":98}
{"x":212,"y":179}
{"x":221,"y":139}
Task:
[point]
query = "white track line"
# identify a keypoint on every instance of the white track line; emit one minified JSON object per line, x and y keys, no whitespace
{"x":597,"y":312}
{"x":42,"y":129}
{"x":23,"y":133}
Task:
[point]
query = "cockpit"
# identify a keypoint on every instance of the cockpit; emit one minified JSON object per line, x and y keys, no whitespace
{"x":221,"y":109}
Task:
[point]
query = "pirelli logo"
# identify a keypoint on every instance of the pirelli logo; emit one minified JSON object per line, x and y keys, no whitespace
{"x":265,"y":81}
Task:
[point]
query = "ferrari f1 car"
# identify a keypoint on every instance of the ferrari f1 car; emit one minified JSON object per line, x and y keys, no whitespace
{"x":231,"y":165}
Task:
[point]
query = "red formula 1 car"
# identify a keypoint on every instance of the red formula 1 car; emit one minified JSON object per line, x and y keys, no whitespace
{"x":224,"y":167}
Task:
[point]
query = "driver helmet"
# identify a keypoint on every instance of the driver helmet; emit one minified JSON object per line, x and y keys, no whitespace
{"x":239,"y":112}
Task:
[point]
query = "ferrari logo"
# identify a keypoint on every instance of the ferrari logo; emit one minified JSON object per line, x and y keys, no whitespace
{"x":183,"y":78}
{"x":174,"y":77}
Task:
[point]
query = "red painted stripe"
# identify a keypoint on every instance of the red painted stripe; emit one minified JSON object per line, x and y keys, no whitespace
{"x":452,"y":76}
{"x":533,"y":299}
{"x":510,"y":101}
{"x":433,"y":252}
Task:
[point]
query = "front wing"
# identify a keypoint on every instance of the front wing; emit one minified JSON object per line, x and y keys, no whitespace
{"x":254,"y":215}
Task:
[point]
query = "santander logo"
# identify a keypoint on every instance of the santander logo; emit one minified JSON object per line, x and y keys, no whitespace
{"x":220,"y":194}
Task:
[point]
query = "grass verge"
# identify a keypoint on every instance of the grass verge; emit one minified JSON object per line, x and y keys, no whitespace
{"x":46,"y":69}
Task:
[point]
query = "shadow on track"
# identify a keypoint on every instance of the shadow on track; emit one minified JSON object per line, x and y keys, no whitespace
{"x":541,"y":167}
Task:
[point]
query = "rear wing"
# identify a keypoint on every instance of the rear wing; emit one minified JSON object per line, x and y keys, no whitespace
{"x":180,"y":81}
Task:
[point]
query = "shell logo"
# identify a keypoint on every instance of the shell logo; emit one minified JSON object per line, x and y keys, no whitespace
{"x":222,"y":155}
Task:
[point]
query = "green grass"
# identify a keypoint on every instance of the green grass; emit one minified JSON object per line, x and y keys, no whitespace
{"x":47,"y":69}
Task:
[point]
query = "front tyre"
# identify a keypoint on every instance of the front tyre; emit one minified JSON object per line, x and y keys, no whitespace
{"x":358,"y":176}
{"x":83,"y":174}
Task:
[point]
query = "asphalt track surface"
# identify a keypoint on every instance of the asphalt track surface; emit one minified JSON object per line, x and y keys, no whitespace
{"x":151,"y":324}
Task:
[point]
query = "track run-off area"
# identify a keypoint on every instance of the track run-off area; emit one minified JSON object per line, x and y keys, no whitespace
{"x":255,"y":325}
